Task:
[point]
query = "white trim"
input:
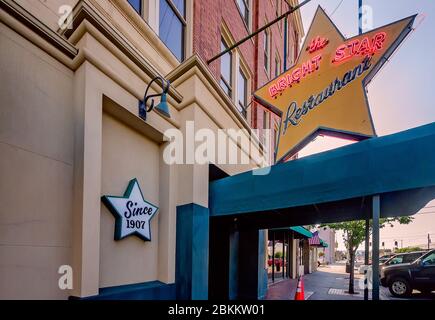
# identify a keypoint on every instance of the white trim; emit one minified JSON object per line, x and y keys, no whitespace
{"x":151,"y":13}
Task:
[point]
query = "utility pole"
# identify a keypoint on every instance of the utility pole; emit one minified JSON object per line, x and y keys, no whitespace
{"x":428,"y":241}
{"x":367,"y":236}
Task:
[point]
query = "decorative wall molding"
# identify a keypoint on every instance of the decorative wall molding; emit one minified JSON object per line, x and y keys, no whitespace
{"x":34,"y":24}
{"x":84,"y":11}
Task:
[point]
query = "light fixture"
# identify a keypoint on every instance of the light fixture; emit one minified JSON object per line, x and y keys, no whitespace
{"x":162,"y":107}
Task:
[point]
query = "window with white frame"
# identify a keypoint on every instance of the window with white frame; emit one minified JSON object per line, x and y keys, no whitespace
{"x":242,"y":88}
{"x":278,"y":12}
{"x":266,"y":48}
{"x":172,"y":25}
{"x":226,"y":69}
{"x":266,"y":119}
{"x":277,"y":66}
{"x":235,"y":75}
{"x":277,"y":8}
{"x":244,"y":10}
{"x":137,"y":5}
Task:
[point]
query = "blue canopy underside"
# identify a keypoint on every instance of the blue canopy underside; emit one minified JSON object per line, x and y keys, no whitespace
{"x":399,"y":167}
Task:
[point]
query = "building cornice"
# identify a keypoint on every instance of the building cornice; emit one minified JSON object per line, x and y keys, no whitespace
{"x":196,"y":63}
{"x":16,"y":11}
{"x":85,"y":11}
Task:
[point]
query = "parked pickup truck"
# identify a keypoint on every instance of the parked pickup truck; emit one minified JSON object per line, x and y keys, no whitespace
{"x":401,"y":279}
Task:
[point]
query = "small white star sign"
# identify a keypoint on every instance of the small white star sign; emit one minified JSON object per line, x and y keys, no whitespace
{"x":132,"y":213}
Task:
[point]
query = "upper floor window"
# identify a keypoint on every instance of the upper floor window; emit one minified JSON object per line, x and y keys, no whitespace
{"x":266,"y":119}
{"x":266,"y":51}
{"x":277,"y":66}
{"x":242,"y":93}
{"x":244,"y":10}
{"x":137,"y":5}
{"x":172,"y":24}
{"x":277,"y":8}
{"x":226,"y":70}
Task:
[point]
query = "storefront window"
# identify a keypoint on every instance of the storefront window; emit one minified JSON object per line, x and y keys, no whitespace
{"x":243,"y":93}
{"x":171,"y":26}
{"x":137,"y":5}
{"x":226,"y":70}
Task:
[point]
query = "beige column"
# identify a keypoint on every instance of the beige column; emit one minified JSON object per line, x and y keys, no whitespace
{"x":87,"y":182}
{"x":167,"y":220}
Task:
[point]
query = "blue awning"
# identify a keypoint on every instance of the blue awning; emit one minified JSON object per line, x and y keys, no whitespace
{"x":301,"y":230}
{"x":335,"y":185}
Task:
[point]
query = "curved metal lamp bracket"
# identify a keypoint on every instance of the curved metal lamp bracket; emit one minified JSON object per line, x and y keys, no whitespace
{"x":143,"y":108}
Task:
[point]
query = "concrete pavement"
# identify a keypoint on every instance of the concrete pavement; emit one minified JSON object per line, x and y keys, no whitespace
{"x":329,"y":283}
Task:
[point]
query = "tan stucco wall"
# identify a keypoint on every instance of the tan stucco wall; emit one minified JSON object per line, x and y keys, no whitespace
{"x":48,"y":11}
{"x":69,"y":133}
{"x":126,"y":154}
{"x":36,"y":169}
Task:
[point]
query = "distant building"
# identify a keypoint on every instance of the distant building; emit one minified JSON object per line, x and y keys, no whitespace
{"x":328,"y":235}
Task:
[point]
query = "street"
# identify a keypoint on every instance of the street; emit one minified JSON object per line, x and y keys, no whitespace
{"x":331,"y":283}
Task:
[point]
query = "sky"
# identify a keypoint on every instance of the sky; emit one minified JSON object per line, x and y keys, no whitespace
{"x":401,"y":95}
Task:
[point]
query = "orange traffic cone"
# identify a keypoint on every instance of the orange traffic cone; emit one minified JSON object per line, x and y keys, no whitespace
{"x":300,"y":295}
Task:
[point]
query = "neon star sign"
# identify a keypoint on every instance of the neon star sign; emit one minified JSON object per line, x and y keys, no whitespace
{"x":324,"y":91}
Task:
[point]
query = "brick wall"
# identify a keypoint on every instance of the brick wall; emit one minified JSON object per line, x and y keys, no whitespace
{"x":210,"y":15}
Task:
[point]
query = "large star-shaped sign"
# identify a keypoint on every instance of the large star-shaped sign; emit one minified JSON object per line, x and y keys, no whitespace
{"x":132,"y":213}
{"x":324,"y":91}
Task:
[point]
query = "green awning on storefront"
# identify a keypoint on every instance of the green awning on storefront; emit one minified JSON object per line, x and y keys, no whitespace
{"x":323,"y":244}
{"x":302,"y":231}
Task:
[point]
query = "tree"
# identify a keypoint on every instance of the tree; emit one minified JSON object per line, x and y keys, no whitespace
{"x":354,"y":233}
{"x":408,"y":249}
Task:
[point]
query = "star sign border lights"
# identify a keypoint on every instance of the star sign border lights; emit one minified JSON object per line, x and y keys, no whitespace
{"x":120,"y":206}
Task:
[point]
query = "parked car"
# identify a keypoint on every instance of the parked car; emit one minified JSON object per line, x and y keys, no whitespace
{"x":382,"y":260}
{"x":402,"y":278}
{"x":385,"y":258}
{"x":407,"y":257}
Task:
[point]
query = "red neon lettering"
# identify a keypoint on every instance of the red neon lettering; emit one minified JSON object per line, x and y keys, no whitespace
{"x":352,"y":46}
{"x":340,"y":53}
{"x":363,"y":47}
{"x":287,"y":80}
{"x":306,"y":68}
{"x":296,"y":75}
{"x":378,"y":41}
{"x":317,"y":43}
{"x":316,"y":61}
{"x":273,"y":91}
{"x":282,"y":83}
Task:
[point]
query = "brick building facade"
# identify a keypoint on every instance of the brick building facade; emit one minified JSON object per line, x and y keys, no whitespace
{"x":260,"y":59}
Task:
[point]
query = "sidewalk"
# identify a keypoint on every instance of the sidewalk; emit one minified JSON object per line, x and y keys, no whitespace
{"x":318,"y":286}
{"x":282,"y":290}
{"x":329,"y":283}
